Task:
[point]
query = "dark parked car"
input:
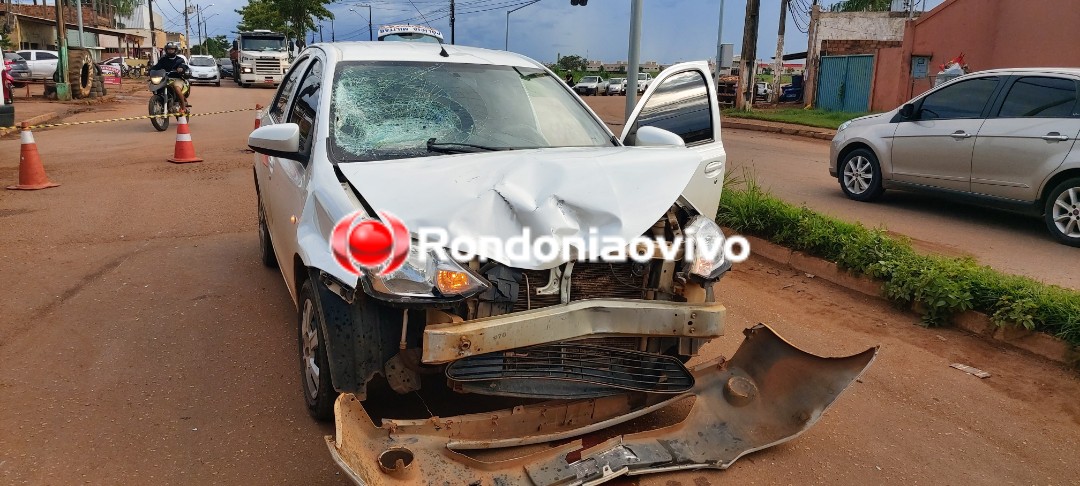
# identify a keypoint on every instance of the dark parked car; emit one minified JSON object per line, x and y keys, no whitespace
{"x":17,"y":68}
{"x":225,"y":68}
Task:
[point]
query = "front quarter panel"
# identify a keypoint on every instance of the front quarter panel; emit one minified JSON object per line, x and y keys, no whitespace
{"x":877,"y":134}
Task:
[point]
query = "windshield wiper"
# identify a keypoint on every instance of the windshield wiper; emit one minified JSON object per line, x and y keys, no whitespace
{"x":455,"y":147}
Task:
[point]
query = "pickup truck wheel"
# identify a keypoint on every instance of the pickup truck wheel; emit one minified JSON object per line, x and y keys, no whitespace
{"x":319,"y":393}
{"x":1062,"y":214}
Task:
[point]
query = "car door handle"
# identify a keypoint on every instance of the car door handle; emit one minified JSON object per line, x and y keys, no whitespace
{"x":959,"y":134}
{"x":1055,"y":137}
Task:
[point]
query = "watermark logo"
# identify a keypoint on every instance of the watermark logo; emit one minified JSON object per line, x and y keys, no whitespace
{"x":359,"y":243}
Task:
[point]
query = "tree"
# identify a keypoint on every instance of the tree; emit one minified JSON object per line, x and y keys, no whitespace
{"x":861,"y":6}
{"x":292,"y":17}
{"x":573,"y":63}
{"x":217,"y":46}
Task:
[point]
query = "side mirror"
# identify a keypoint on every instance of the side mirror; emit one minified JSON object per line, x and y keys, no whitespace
{"x":648,"y":136}
{"x":907,"y":111}
{"x":280,"y":140}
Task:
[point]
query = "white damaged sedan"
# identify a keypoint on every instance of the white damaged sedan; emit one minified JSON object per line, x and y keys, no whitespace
{"x":368,"y":147}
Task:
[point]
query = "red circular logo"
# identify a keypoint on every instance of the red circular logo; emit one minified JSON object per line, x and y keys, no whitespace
{"x":370,"y":243}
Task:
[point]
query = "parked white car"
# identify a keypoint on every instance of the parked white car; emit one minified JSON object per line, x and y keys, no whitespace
{"x":643,"y":81}
{"x":482,"y":143}
{"x":42,"y":63}
{"x":616,"y":86}
{"x":591,"y":85}
{"x":204,"y":70}
{"x":1005,"y":138}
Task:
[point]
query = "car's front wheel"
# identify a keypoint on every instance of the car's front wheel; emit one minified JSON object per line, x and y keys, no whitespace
{"x":1062,"y":212}
{"x":860,"y":175}
{"x":319,"y":393}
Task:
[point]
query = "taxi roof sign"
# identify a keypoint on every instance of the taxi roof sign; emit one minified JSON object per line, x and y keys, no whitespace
{"x":386,"y":30}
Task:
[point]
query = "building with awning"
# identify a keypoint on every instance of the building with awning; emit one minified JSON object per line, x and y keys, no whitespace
{"x":32,"y":32}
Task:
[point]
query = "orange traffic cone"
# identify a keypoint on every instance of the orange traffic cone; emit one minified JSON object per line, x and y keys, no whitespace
{"x":185,"y":150}
{"x":31,"y":172}
{"x":258,"y":115}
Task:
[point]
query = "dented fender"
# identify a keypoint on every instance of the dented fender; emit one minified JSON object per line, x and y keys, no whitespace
{"x":768,"y":393}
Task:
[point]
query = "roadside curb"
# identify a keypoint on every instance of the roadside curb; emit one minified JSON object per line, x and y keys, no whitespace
{"x":973,"y":322}
{"x":35,"y":120}
{"x":738,"y":124}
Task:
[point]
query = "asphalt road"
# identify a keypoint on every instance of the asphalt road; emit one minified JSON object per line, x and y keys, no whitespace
{"x":141,"y":341}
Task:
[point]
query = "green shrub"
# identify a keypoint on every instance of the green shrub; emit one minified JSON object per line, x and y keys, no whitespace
{"x":939,"y":287}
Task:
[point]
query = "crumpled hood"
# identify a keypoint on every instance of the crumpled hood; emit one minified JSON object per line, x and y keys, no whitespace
{"x":563,"y":192}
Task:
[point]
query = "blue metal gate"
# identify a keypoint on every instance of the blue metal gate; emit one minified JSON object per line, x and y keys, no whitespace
{"x":844,"y":83}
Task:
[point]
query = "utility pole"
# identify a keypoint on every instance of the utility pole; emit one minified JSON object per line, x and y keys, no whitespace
{"x":78,"y":9}
{"x":187,"y":29}
{"x":198,"y":26}
{"x":633,"y":56}
{"x":332,"y":37}
{"x":320,"y":32}
{"x":719,"y":44}
{"x":63,"y":89}
{"x":452,"y":18}
{"x":778,"y":62}
{"x":153,"y":37}
{"x":810,"y":68}
{"x":748,"y":61}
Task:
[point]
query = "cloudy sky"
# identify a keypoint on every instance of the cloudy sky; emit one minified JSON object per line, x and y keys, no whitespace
{"x":673,"y":30}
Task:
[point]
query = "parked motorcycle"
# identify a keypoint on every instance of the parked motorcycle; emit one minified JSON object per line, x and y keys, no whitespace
{"x":164,"y":100}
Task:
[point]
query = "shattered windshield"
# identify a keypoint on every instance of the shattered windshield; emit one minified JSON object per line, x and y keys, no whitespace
{"x":264,"y":44}
{"x":387,"y":110}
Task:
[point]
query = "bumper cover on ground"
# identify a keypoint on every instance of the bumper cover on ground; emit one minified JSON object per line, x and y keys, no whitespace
{"x":767,"y":394}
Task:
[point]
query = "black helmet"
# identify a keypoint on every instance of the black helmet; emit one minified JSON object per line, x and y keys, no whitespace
{"x":171,"y":49}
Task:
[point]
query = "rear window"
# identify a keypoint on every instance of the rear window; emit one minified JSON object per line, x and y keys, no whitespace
{"x":1040,"y":97}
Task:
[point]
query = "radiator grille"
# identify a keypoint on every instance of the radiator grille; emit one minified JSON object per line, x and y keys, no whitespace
{"x":267,"y":66}
{"x":527,"y":369}
{"x":588,"y":280}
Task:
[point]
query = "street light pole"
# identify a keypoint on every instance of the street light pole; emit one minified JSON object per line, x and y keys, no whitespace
{"x":506,"y":42}
{"x":633,"y":56}
{"x":371,"y":35}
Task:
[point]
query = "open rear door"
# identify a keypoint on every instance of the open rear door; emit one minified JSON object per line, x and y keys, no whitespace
{"x":682,"y":100}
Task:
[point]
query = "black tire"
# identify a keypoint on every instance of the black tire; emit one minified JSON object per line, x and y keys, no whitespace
{"x":1063,"y":208}
{"x":218,"y":84}
{"x":859,"y":174}
{"x":319,"y":393}
{"x":157,"y":107}
{"x":80,"y":73}
{"x":266,"y":247}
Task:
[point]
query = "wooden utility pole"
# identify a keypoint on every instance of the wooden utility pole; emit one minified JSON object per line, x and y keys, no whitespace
{"x":153,"y":37}
{"x":778,"y":62}
{"x":810,"y":68}
{"x":748,"y":61}
{"x":63,"y":89}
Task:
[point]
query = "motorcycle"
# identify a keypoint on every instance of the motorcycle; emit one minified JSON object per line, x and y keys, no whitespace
{"x":164,"y":100}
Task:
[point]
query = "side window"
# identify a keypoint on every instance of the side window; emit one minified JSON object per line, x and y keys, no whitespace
{"x":25,"y":54}
{"x":679,"y":105}
{"x":1038,"y":97}
{"x":307,"y":105}
{"x":281,"y":101}
{"x":965,"y":99}
{"x":42,"y":56}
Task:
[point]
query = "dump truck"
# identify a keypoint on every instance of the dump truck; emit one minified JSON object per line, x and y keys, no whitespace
{"x":259,"y":57}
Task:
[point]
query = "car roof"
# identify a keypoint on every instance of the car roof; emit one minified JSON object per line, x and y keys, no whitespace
{"x":193,"y":56}
{"x":1039,"y":70}
{"x":425,"y":52}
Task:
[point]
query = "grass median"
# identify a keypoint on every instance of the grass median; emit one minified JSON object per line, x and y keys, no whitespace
{"x":940,"y":286}
{"x":797,"y":116}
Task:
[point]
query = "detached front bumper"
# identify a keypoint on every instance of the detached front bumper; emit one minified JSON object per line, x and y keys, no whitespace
{"x":767,"y":394}
{"x":444,"y":343}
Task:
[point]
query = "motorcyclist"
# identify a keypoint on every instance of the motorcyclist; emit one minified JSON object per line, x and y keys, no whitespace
{"x":176,"y":68}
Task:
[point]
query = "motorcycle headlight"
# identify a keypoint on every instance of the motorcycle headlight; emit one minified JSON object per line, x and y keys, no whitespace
{"x":707,"y":261}
{"x":427,"y":278}
{"x":155,"y":80}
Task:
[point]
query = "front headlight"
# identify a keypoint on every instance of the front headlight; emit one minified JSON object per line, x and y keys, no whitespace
{"x":428,"y":278}
{"x":155,"y":80}
{"x":843,"y":126}
{"x":246,"y":70}
{"x":707,"y":261}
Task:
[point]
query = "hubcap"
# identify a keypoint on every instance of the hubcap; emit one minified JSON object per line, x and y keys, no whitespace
{"x":309,"y":345}
{"x":858,"y":174}
{"x":1066,"y":212}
